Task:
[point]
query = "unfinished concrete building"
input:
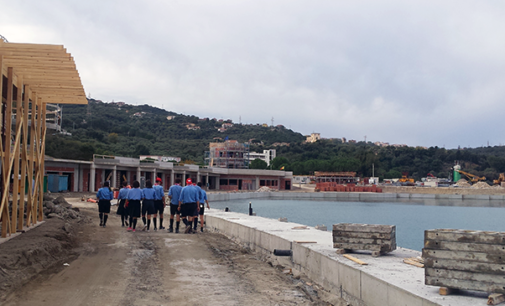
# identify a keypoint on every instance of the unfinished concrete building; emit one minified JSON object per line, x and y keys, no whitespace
{"x":33,"y":75}
{"x":229,"y":154}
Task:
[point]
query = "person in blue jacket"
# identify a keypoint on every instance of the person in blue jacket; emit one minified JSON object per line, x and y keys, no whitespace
{"x":121,"y":209}
{"x":203,"y":200}
{"x":148,"y":209}
{"x":189,"y":200}
{"x":134,"y":197}
{"x":173,"y":194}
{"x":104,"y":196}
{"x":159,"y":202}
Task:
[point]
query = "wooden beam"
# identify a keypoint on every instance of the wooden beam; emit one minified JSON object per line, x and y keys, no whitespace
{"x":4,"y":210}
{"x":36,"y":47}
{"x":41,"y":163}
{"x":16,"y":178}
{"x":358,"y":261}
{"x":24,"y":157}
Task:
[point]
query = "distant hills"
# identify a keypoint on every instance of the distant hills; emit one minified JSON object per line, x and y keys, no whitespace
{"x":128,"y":130}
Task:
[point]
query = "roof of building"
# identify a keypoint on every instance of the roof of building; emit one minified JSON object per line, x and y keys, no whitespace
{"x":48,"y":69}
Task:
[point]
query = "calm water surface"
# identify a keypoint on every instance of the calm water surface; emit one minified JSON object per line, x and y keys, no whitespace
{"x":411,"y":218}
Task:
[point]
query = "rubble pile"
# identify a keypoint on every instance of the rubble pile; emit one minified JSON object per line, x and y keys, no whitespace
{"x":463,"y":183}
{"x":266,"y":189}
{"x":481,"y":185}
{"x":59,"y":208}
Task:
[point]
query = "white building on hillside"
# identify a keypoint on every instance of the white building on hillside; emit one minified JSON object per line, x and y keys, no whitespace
{"x":267,"y":156}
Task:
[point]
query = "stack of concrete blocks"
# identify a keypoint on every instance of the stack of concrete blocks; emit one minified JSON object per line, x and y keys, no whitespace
{"x":379,"y":239}
{"x":461,"y":259}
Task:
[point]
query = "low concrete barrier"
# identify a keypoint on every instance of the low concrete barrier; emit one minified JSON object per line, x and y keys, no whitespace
{"x":386,"y":280}
{"x":347,"y":196}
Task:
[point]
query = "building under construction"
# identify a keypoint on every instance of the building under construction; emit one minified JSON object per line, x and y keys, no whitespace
{"x":229,"y":154}
{"x":33,"y":76}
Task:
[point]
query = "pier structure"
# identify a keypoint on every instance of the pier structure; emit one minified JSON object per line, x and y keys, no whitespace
{"x":384,"y":280}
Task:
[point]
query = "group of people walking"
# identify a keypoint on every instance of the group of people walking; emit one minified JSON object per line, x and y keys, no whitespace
{"x":186,"y":203}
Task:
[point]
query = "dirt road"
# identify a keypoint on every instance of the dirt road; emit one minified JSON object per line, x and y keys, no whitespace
{"x":116,"y":267}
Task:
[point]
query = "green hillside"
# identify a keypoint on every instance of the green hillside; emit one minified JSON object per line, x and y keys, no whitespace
{"x":106,"y":128}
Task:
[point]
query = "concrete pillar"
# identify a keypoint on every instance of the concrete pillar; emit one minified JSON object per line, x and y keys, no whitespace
{"x":207,"y":182}
{"x":257,"y":183}
{"x":138,"y":174}
{"x":217,"y":182}
{"x":184,"y":178}
{"x":198,"y":177}
{"x":278,"y":184}
{"x":172,"y":177}
{"x":114,"y":177}
{"x":92,"y":174}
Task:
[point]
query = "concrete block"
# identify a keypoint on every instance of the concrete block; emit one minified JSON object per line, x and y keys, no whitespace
{"x":403,"y":195}
{"x":497,"y":197}
{"x":350,"y":280}
{"x":374,"y":292}
{"x":422,"y":196}
{"x":317,"y":195}
{"x":342,"y":196}
{"x":329,"y":274}
{"x":449,"y":196}
{"x":397,"y":296}
{"x":276,"y":195}
{"x":483,"y":197}
{"x":353,"y":196}
{"x":330,"y":196}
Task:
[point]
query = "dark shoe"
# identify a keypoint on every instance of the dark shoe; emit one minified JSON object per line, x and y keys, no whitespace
{"x":177,"y":231}
{"x":155,"y":229}
{"x":162,"y":227}
{"x":104,"y":225}
{"x":122,"y":225}
{"x":170,"y":229}
{"x":101,"y":223}
{"x":188,"y":230}
{"x":201,"y":229}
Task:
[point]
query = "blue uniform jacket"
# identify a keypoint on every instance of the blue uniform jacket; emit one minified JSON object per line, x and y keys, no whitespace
{"x":148,"y":194}
{"x":158,"y":192}
{"x":135,"y":194}
{"x":175,"y":192}
{"x":104,"y":193}
{"x":123,"y":193}
{"x":189,"y":194}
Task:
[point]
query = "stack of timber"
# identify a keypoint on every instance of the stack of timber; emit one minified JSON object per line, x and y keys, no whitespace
{"x":468,"y":260}
{"x":379,"y":239}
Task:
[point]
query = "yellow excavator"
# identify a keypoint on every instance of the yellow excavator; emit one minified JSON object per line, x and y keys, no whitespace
{"x":405,"y":180}
{"x":472,"y":177}
{"x":500,"y":179}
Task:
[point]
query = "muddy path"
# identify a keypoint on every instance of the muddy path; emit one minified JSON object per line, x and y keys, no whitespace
{"x":116,"y":267}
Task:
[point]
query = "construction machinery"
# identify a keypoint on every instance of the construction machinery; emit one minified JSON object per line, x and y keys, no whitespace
{"x":405,"y":180}
{"x":472,"y":177}
{"x":500,"y":179}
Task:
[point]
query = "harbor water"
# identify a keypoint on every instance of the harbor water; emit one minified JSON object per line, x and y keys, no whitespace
{"x":411,"y":218}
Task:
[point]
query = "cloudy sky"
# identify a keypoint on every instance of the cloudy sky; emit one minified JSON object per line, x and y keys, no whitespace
{"x":428,"y":73}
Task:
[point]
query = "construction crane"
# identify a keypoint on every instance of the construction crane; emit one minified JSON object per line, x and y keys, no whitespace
{"x":472,"y":177}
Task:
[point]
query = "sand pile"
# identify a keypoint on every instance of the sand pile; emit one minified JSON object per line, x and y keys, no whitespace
{"x":266,"y":189}
{"x":463,"y":183}
{"x":481,"y":185}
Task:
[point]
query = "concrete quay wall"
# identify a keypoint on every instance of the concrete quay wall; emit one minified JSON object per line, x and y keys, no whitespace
{"x":386,"y":280}
{"x":349,"y":196}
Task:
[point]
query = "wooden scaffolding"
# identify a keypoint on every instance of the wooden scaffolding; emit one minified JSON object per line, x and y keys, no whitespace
{"x":32,"y":75}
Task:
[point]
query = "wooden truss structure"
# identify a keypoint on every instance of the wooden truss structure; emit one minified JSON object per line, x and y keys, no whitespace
{"x":32,"y":75}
